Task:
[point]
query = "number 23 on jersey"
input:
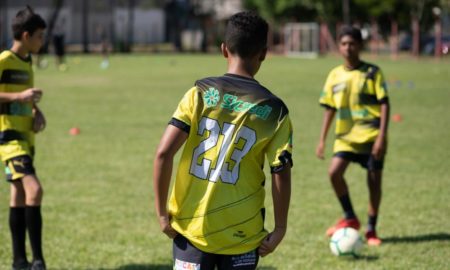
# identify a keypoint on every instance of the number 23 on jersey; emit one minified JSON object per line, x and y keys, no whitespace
{"x":203,"y":168}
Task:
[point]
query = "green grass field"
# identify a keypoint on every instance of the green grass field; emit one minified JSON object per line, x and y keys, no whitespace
{"x":98,"y":204}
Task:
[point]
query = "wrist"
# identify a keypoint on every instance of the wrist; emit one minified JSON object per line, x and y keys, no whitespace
{"x":163,"y":215}
{"x":280,"y":228}
{"x":16,"y":97}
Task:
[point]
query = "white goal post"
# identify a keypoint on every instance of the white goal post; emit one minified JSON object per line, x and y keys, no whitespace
{"x":301,"y":39}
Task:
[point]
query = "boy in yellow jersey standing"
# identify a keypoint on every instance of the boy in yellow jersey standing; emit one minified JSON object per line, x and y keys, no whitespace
{"x":356,"y":93}
{"x":20,"y":119}
{"x":228,"y":125}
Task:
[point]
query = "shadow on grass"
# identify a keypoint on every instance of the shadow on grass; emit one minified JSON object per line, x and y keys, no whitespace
{"x":140,"y":267}
{"x":367,"y":258}
{"x":417,"y":238}
{"x":160,"y":267}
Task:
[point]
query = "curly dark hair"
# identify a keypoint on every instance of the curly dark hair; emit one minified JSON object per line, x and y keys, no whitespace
{"x":26,"y":21}
{"x":351,"y":31}
{"x":246,"y":34}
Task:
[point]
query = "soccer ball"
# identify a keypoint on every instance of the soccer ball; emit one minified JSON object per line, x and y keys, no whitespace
{"x":345,"y":242}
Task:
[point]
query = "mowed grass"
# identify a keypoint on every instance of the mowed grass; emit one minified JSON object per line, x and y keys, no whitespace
{"x":98,"y":206}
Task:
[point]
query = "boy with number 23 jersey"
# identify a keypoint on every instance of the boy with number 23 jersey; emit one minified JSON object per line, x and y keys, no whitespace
{"x":233,"y":123}
{"x":228,"y":126}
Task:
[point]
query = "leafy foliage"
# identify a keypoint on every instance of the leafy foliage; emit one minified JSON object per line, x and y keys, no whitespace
{"x":360,"y":10}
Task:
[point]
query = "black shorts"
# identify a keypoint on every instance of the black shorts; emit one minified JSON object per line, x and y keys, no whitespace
{"x":187,"y":256}
{"x":18,"y":167}
{"x":367,"y":161}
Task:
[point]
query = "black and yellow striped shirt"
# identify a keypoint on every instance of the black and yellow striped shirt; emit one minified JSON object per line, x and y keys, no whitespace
{"x":16,"y":118}
{"x":356,"y":95}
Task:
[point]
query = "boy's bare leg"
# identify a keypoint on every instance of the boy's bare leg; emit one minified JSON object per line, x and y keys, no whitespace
{"x":336,"y":172}
{"x":374,"y":185}
{"x":33,"y":190}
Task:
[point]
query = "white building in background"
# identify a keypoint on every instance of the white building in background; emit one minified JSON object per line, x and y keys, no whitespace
{"x":221,"y":8}
{"x":149,"y":22}
{"x":102,"y":16}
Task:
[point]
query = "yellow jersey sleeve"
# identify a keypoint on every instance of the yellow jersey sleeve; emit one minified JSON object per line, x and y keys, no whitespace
{"x":1,"y":68}
{"x":279,"y":150}
{"x":326,"y":97}
{"x":380,"y":86}
{"x":186,"y":107}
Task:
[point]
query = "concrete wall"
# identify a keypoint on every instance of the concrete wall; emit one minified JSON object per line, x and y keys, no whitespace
{"x":148,"y":26}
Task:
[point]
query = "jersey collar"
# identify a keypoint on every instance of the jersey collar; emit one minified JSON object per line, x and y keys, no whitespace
{"x":240,"y":77}
{"x":361,"y":64}
{"x":27,"y":59}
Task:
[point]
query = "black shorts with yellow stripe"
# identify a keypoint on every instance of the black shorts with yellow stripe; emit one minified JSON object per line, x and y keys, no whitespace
{"x":367,"y":161}
{"x":18,"y":167}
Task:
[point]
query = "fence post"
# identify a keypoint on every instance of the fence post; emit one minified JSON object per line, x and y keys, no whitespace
{"x":394,"y":39}
{"x":438,"y":37}
{"x":416,"y":36}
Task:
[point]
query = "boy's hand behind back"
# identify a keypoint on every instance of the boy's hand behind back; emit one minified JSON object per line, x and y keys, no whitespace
{"x":31,"y":94}
{"x":164,"y":223}
{"x":270,"y":243}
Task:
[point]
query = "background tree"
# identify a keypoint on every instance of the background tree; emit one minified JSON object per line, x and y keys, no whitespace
{"x":361,"y":11}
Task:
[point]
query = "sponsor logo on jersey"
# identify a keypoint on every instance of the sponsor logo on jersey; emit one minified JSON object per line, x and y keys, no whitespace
{"x":232,"y":103}
{"x":12,"y":76}
{"x":19,"y":108}
{"x":339,"y":87}
{"x":239,"y":234}
{"x":211,"y":97}
{"x":18,"y":163}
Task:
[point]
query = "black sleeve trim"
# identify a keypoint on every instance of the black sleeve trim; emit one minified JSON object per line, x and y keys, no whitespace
{"x":384,"y":100}
{"x":180,"y":124}
{"x":327,"y":106}
{"x":367,"y":99}
{"x":286,"y":159}
{"x":10,"y":135}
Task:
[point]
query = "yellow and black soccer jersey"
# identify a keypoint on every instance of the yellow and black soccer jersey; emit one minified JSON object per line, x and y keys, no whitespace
{"x":16,"y":118}
{"x":356,"y":95}
{"x":233,"y":122}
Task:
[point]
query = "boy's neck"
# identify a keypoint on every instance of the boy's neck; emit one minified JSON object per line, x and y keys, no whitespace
{"x":351,"y":64}
{"x":240,"y":67}
{"x":19,"y":49}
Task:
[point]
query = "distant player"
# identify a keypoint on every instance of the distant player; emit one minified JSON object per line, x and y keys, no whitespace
{"x":59,"y":44}
{"x":356,"y":93}
{"x":104,"y":47}
{"x":20,"y":118}
{"x":228,"y":124}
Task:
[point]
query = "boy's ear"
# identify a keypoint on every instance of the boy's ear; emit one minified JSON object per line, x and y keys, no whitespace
{"x":25,"y":36}
{"x":262,"y":55}
{"x":224,"y":50}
